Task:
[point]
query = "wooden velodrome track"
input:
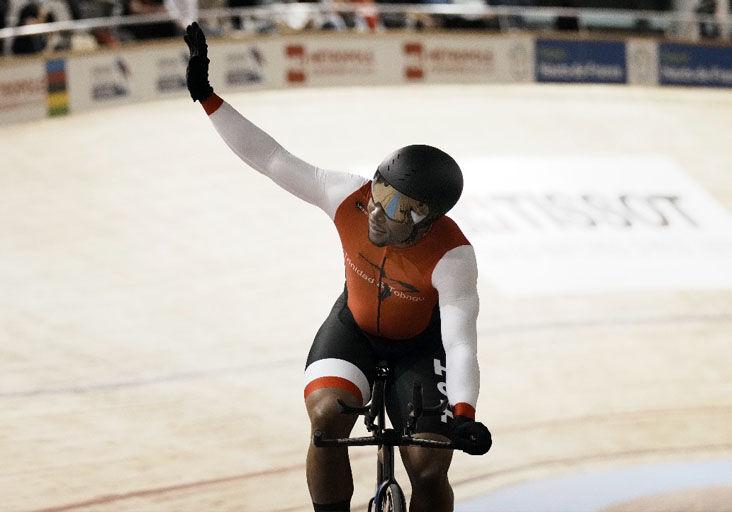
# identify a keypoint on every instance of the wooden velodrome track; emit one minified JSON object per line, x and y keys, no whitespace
{"x":158,"y":300}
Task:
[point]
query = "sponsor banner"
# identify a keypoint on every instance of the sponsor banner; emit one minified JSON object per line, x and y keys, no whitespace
{"x":580,"y":61}
{"x":583,"y":225}
{"x":157,"y":74}
{"x":169,"y":71}
{"x":341,"y":61}
{"x":23,"y":92}
{"x":245,"y":65}
{"x":141,"y":74}
{"x":467,"y":60}
{"x":684,"y":64}
{"x":103,"y":80}
{"x":642,"y":62}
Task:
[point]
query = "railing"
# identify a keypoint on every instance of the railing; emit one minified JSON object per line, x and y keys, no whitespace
{"x":288,"y":17}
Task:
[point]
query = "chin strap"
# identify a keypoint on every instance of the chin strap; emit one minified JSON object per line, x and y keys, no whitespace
{"x":420,"y":229}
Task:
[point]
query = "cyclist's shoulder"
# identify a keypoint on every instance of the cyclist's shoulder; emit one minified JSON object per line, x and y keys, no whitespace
{"x":354,"y":201}
{"x":447,"y":233}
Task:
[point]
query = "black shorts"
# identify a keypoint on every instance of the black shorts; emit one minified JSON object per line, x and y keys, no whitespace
{"x":343,"y":356}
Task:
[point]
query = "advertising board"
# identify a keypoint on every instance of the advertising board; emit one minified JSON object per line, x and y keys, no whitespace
{"x":692,"y":65}
{"x":246,"y":65}
{"x":342,"y":61}
{"x":23,"y":92}
{"x":102,"y":80}
{"x":570,"y":61}
{"x":450,"y":59}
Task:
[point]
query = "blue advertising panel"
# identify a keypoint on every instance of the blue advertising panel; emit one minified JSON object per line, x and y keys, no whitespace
{"x":601,"y":62}
{"x":685,"y":64}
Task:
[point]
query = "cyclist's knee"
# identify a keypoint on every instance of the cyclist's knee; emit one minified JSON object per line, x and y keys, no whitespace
{"x":426,"y":475}
{"x":426,"y":467}
{"x":325,"y":412}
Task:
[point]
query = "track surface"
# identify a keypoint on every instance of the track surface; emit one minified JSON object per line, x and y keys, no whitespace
{"x":158,"y":300}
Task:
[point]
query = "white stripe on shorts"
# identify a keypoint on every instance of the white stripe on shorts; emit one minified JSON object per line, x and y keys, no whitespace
{"x":339,"y":368}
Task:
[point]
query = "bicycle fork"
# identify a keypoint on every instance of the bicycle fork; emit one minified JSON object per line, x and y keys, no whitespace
{"x":384,"y":460}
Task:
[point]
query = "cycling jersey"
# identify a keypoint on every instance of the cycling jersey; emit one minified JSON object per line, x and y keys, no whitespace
{"x":390,"y":291}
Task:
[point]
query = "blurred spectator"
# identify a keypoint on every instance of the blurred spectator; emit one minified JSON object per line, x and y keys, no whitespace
{"x":3,"y":21}
{"x":185,"y":11}
{"x":338,"y":16}
{"x":327,"y":15}
{"x":567,"y":22}
{"x":218,"y":26}
{"x":469,"y":22}
{"x":84,"y":9}
{"x":149,"y":30}
{"x":394,"y":19}
{"x":513,"y":21}
{"x":343,"y":15}
{"x":30,"y":14}
{"x":240,"y":21}
{"x":708,"y":29}
{"x":428,"y":21}
{"x":261,"y":23}
{"x":365,"y":18}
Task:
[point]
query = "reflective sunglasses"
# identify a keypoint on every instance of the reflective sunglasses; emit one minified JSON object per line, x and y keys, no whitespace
{"x":397,"y":206}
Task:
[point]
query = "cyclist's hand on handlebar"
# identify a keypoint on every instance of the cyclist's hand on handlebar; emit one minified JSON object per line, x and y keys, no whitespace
{"x":471,"y":436}
{"x":197,"y":70}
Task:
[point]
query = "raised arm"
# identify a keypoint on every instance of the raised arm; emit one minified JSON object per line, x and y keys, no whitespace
{"x":324,"y":189}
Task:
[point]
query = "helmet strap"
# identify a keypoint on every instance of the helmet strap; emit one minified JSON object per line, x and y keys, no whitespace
{"x":419,"y":230}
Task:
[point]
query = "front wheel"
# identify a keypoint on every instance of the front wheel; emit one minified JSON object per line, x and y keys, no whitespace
{"x":393,"y":500}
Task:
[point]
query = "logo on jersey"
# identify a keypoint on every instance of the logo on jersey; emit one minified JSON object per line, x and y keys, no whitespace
{"x":389,"y":286}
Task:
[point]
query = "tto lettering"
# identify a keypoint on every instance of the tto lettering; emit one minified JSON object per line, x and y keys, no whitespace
{"x":441,"y":370}
{"x":510,"y":213}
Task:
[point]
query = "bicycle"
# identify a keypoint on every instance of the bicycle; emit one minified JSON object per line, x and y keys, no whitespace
{"x":389,"y":496}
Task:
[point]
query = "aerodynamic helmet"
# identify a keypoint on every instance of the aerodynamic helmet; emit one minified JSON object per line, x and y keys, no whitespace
{"x":426,"y":174}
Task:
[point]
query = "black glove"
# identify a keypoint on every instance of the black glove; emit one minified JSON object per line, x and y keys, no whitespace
{"x":471,"y":436}
{"x":197,"y":70}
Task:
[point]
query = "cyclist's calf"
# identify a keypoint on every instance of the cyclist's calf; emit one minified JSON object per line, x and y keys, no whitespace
{"x":328,"y":470}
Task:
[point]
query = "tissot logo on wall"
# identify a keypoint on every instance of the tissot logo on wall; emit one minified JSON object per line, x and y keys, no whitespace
{"x":681,"y":64}
{"x":466,"y":60}
{"x":580,"y":61}
{"x":561,"y":225}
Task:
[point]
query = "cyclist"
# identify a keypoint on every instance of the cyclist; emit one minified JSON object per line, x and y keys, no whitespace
{"x":410,"y":298}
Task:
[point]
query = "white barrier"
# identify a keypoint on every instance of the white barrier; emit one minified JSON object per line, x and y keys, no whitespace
{"x":35,"y":87}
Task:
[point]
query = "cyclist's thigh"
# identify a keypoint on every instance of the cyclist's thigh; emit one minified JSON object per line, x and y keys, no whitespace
{"x":340,"y":356}
{"x":426,"y":365}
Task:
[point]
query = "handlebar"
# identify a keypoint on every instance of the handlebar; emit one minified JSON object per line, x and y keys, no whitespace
{"x":416,"y":408}
{"x":389,"y":438}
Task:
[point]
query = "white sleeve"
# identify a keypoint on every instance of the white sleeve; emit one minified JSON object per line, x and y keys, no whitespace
{"x":455,"y":278}
{"x":324,"y":189}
